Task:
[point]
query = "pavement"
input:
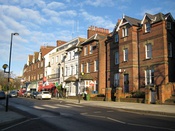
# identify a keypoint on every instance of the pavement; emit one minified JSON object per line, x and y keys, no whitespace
{"x":157,"y":109}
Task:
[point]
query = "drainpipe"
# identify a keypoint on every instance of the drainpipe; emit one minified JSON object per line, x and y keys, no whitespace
{"x":138,"y":54}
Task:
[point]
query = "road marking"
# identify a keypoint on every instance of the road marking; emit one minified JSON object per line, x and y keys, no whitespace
{"x":53,"y":107}
{"x":38,"y":107}
{"x":58,"y":105}
{"x":75,"y":105}
{"x":19,"y":124}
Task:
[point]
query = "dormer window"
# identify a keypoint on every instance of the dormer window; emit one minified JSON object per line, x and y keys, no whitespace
{"x":124,"y":32}
{"x":168,"y":25}
{"x":147,"y":27}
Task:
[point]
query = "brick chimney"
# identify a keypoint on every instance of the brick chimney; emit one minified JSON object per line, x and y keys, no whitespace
{"x":60,"y":42}
{"x":96,"y":30}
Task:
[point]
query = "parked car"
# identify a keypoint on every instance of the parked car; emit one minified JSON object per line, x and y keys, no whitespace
{"x":27,"y":94}
{"x":2,"y":95}
{"x":21,"y":92}
{"x":13,"y":93}
{"x":43,"y":95}
{"x":33,"y":94}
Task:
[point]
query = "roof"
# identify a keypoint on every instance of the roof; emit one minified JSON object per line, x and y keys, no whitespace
{"x":86,"y":76}
{"x":95,"y":37}
{"x":132,"y":21}
{"x":71,"y":79}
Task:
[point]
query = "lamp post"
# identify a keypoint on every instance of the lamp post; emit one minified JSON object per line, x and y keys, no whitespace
{"x":5,"y":66}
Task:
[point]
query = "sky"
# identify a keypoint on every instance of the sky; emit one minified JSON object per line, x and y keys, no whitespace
{"x":43,"y":22}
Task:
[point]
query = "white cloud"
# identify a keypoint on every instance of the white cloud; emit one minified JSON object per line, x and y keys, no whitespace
{"x":98,"y":21}
{"x":56,"y":5}
{"x":99,"y":3}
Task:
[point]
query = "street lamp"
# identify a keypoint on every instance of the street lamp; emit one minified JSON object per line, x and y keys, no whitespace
{"x":5,"y":67}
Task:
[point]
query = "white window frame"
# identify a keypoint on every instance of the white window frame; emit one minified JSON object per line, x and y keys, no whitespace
{"x":95,"y":65}
{"x":147,"y":27}
{"x":124,"y":32}
{"x":116,"y":57}
{"x":82,"y":67}
{"x":85,"y":50}
{"x":125,"y":54}
{"x":149,"y":77}
{"x":52,"y":60}
{"x":56,"y":60}
{"x":148,"y":51}
{"x":170,"y":51}
{"x":72,"y":70}
{"x":116,"y":79}
{"x":90,"y":49}
{"x":87,"y":67}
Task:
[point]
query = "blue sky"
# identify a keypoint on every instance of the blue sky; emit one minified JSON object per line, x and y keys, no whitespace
{"x":43,"y":22}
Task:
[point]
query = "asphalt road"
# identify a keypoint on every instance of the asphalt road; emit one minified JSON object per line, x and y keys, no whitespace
{"x":58,"y":115}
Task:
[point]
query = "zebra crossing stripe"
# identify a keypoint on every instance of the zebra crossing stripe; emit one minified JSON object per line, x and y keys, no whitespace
{"x":59,"y":105}
{"x":38,"y":107}
{"x":53,"y":107}
{"x":74,"y":105}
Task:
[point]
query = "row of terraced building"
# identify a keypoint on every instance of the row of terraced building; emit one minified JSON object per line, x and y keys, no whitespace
{"x":138,"y":56}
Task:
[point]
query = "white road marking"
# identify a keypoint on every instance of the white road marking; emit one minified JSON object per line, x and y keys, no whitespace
{"x":59,"y":105}
{"x":74,"y":105}
{"x":53,"y":107}
{"x":38,"y":107}
{"x":97,"y":111}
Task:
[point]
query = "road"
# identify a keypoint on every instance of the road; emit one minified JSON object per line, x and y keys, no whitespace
{"x":62,"y":116}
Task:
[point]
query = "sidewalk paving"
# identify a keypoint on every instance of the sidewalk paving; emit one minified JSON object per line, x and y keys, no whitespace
{"x":169,"y":110}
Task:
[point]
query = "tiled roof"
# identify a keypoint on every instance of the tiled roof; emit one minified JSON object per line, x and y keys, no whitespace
{"x":95,"y":37}
{"x":132,"y":21}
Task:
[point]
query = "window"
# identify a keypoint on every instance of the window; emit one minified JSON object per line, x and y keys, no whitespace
{"x":148,"y":51}
{"x":90,"y":49}
{"x":124,"y":32}
{"x":56,"y":59}
{"x":125,"y":54}
{"x":168,"y":25}
{"x":72,"y":70}
{"x":170,"y":53}
{"x":76,"y":69}
{"x":85,"y":50}
{"x":82,"y":68}
{"x":96,"y":65}
{"x":149,"y":77}
{"x":69,"y":55}
{"x":116,"y":80}
{"x":73,"y":55}
{"x":116,"y":37}
{"x":147,"y":27}
{"x":52,"y":60}
{"x":66,"y":71}
{"x":116,"y":58}
{"x":88,"y":67}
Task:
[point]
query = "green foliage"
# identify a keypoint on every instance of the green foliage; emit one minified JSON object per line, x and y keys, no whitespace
{"x":138,"y":94}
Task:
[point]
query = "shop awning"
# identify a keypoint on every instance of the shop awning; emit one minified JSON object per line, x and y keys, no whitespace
{"x":86,"y":76}
{"x":71,"y":79}
{"x":47,"y":87}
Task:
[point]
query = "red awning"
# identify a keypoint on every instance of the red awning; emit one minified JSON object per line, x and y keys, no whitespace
{"x":47,"y":87}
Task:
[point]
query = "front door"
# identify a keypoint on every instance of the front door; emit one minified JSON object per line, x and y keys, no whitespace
{"x":126,"y":83}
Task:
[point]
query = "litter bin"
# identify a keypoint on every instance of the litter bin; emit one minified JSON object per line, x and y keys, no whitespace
{"x":87,"y":97}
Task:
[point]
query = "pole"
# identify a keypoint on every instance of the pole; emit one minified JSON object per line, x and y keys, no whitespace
{"x":7,"y":96}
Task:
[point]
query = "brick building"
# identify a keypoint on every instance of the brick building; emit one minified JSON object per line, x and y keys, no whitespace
{"x":92,"y":60}
{"x":141,"y":52}
{"x":33,"y":71}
